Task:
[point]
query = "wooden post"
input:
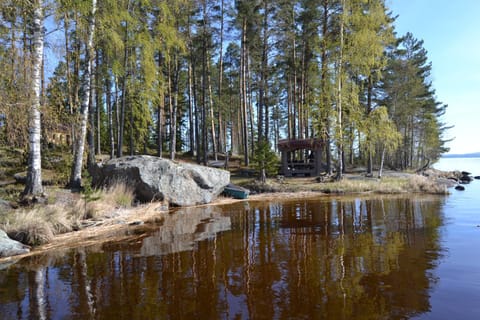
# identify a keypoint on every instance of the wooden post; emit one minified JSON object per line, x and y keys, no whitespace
{"x":318,"y":161}
{"x":285,"y":164}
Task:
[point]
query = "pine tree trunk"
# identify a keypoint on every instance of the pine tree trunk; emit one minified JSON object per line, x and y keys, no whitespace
{"x":221,"y":131}
{"x":131,"y":145}
{"x":121,"y":126}
{"x":196,"y":112}
{"x":70,"y":96}
{"x":325,"y":104}
{"x":204,"y":105}
{"x":91,"y":113}
{"x":160,"y":126}
{"x":117,"y":113}
{"x":34,"y":174}
{"x":289,"y":110}
{"x":76,"y":176}
{"x":191,"y":128}
{"x":98,"y":109}
{"x":369,"y":110}
{"x":339,"y":98}
{"x":108,"y":98}
{"x":244,"y":91}
{"x":212,"y":117}
{"x":173,"y":102}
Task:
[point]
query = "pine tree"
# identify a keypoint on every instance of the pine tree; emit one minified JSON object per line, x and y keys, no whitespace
{"x":412,"y":104}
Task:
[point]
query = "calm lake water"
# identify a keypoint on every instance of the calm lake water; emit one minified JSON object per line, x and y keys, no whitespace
{"x":325,"y":258}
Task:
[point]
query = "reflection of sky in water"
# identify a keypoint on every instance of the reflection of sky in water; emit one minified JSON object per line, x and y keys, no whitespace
{"x":457,"y":293}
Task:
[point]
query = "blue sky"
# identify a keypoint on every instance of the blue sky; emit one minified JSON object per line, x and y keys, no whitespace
{"x":451,"y":33}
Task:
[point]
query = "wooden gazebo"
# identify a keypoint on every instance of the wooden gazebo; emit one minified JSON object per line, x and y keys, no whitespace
{"x":301,"y":156}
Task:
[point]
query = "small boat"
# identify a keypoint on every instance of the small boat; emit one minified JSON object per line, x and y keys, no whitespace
{"x":236,"y":192}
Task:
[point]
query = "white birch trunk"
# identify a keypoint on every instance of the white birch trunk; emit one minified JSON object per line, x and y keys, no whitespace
{"x":34,"y":174}
{"x":40,"y":293}
{"x":76,"y":177}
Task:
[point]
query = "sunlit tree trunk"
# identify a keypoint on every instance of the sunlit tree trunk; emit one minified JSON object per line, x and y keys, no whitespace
{"x":221,"y":130}
{"x":121,"y":125}
{"x":191,"y":132}
{"x":243,"y":88}
{"x":98,"y":105}
{"x":324,"y":81}
{"x":34,"y":174}
{"x":108,"y":98}
{"x":212,"y":116}
{"x":76,"y":176}
{"x":339,"y":97}
{"x":91,"y":115}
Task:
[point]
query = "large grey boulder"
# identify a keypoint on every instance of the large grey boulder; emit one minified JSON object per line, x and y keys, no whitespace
{"x":9,"y":247}
{"x":153,"y":178}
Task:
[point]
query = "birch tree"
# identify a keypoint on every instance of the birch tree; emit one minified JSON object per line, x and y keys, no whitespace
{"x":76,"y":175}
{"x":33,"y":185}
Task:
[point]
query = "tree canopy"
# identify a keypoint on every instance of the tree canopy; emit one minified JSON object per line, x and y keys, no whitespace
{"x":209,"y":77}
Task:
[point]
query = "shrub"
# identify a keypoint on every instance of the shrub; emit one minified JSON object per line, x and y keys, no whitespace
{"x":265,"y":161}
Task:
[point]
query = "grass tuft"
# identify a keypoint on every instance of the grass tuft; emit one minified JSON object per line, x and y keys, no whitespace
{"x":419,"y":183}
{"x":118,"y":194}
{"x":38,"y":225}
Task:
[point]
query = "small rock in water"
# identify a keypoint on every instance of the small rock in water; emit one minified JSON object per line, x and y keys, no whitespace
{"x":460,"y":188}
{"x":466,"y":179}
{"x":477,"y":177}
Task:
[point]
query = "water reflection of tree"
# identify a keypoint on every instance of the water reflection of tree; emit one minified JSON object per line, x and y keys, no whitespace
{"x":337,"y":259}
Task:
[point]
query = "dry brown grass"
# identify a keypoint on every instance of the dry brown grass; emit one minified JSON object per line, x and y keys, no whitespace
{"x":385,"y":185}
{"x":354,"y":184}
{"x":418,"y":183}
{"x":38,"y":225}
{"x":119,"y":194}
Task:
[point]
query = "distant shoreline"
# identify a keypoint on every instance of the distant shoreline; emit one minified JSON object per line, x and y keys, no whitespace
{"x":464,"y":155}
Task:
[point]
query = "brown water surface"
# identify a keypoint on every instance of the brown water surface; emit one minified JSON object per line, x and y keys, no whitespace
{"x":327,"y":258}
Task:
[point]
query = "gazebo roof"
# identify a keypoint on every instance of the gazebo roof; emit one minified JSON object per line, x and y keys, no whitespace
{"x":299,"y":144}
